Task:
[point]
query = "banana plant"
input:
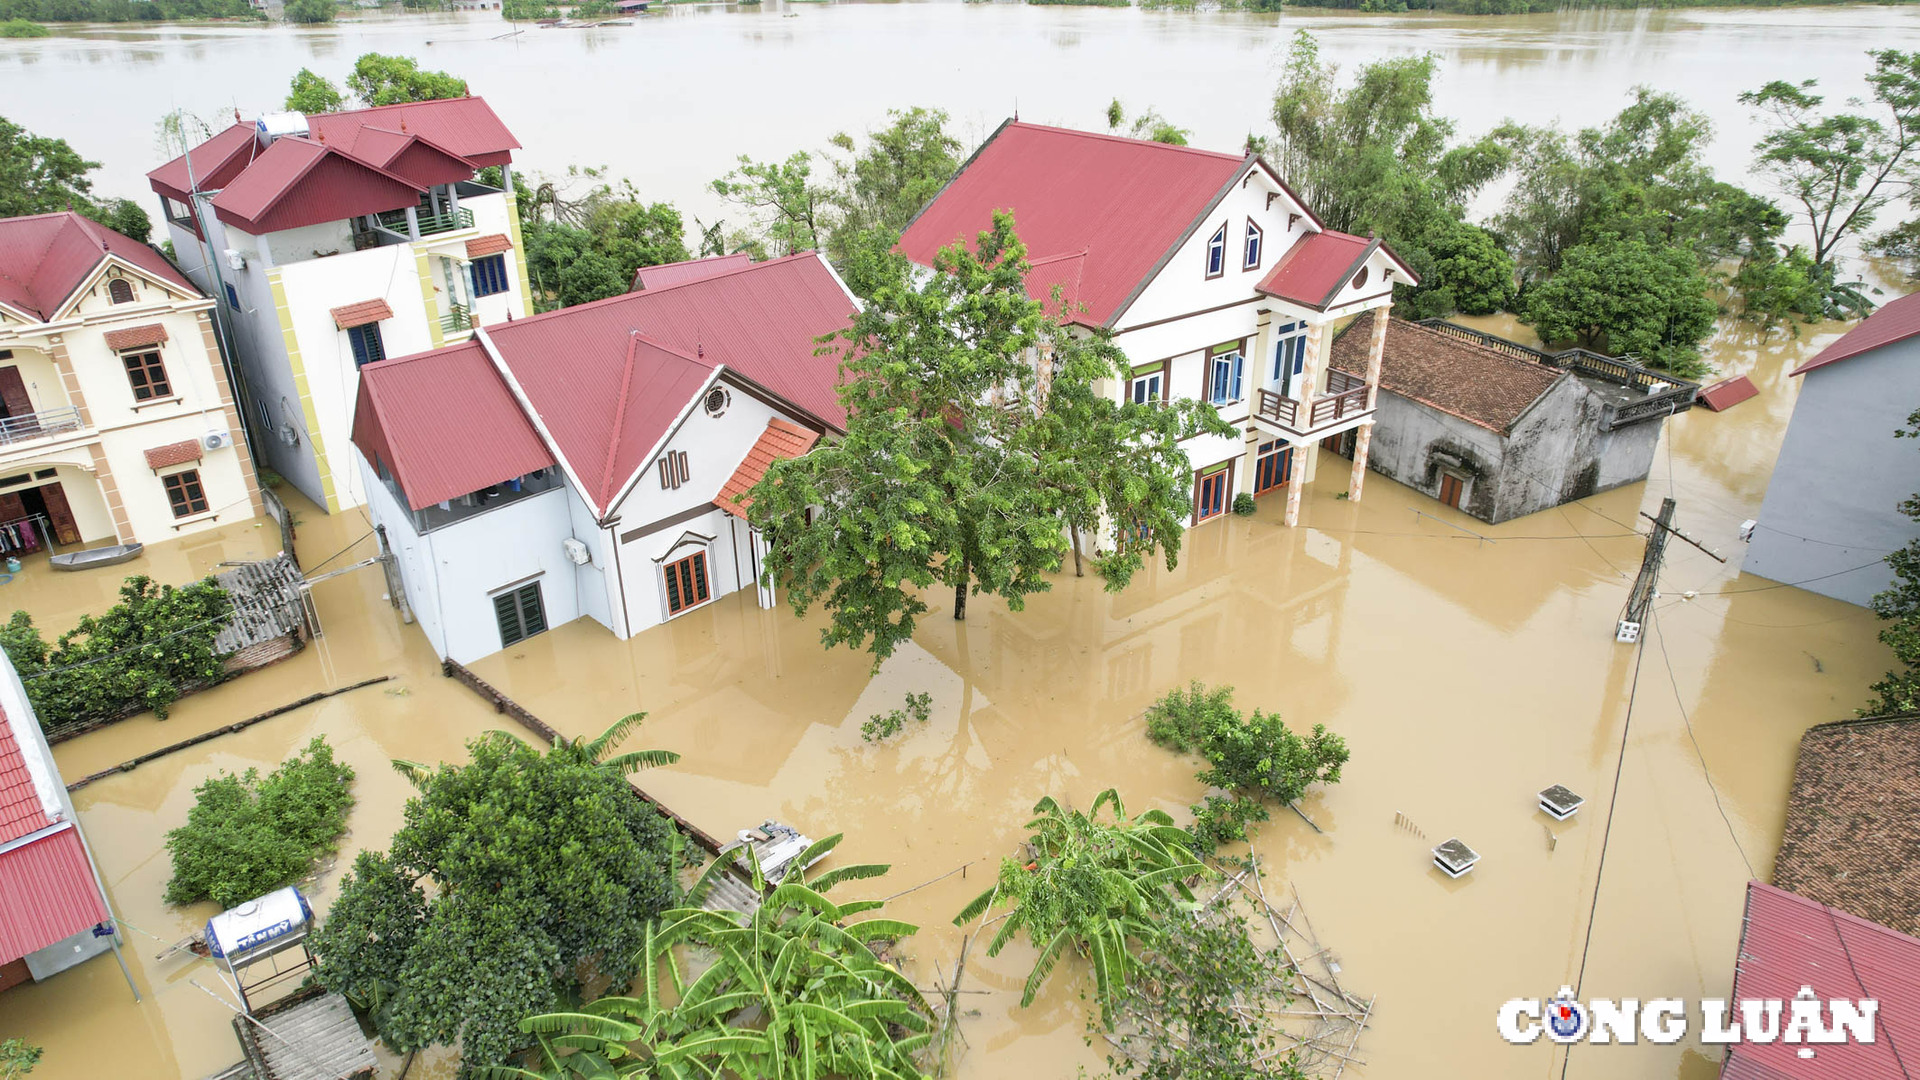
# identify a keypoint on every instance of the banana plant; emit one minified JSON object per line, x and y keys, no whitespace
{"x":1090,"y":885}
{"x":792,"y":991}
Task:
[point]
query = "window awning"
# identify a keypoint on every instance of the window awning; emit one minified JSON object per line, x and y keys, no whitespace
{"x":161,"y":457}
{"x":481,"y":246}
{"x":135,"y":336}
{"x":360,"y":314}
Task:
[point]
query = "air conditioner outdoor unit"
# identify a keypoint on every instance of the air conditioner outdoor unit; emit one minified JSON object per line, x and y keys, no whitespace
{"x":216,"y":440}
{"x":577,"y":553}
{"x":235,"y":260}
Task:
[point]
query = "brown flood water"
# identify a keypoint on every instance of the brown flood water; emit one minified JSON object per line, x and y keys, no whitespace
{"x":1465,"y":675}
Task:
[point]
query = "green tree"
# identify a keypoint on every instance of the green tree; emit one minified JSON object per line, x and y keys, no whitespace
{"x":961,"y":464}
{"x":246,"y":837}
{"x":39,"y":175}
{"x":1841,"y":168}
{"x":311,"y":12}
{"x":378,"y":79}
{"x":1626,"y":297}
{"x":313,"y":93}
{"x":22,"y":28}
{"x":1462,"y":268}
{"x":586,"y":248}
{"x":880,"y":186}
{"x":787,"y":205}
{"x":513,"y":881}
{"x":1900,"y":606}
{"x":17,"y":1058}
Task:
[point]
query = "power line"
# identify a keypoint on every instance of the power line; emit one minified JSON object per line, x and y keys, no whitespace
{"x":1701,"y":754}
{"x":1613,"y":803}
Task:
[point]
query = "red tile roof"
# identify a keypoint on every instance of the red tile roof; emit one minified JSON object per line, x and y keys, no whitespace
{"x":408,"y":156}
{"x":1120,"y":204}
{"x":360,"y":313}
{"x":1896,"y":320}
{"x":1316,"y":267}
{"x":47,"y":893}
{"x":489,"y":245}
{"x":179,"y":453}
{"x":1852,"y":832}
{"x":44,"y":258}
{"x":20,"y":809}
{"x":444,"y":424}
{"x":135,"y":336}
{"x":679,"y":273}
{"x":779,"y":440}
{"x":1788,"y":942}
{"x":1727,"y":393}
{"x":1479,"y":385}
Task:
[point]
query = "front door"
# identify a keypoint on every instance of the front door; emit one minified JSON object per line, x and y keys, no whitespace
{"x":59,"y":514}
{"x":1210,"y":496}
{"x":1273,"y":468}
{"x":1451,"y":488}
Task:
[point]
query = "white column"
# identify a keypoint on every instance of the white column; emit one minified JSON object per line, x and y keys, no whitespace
{"x":1303,"y":417}
{"x":1376,"y":348}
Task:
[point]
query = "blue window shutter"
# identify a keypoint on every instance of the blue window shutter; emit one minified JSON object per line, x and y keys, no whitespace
{"x":1238,"y":370}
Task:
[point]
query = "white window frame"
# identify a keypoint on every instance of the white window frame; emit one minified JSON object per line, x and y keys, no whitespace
{"x":1235,"y":363}
{"x":1255,"y":247}
{"x":1285,"y":337}
{"x":1155,"y":380}
{"x":1217,"y":252}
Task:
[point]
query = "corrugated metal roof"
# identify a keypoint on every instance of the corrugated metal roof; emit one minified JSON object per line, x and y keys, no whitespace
{"x":481,"y":246}
{"x":1896,"y":320}
{"x":1727,"y":393}
{"x":444,"y":424}
{"x":43,"y":258}
{"x":679,"y":273}
{"x":1121,"y":203}
{"x":779,"y":440}
{"x":178,"y":453}
{"x":215,"y":162}
{"x":466,"y":126}
{"x":20,"y":809}
{"x":360,"y":313}
{"x":297,"y":182}
{"x":1314,"y":269}
{"x":135,"y":336}
{"x":1788,"y":942}
{"x":47,"y":892}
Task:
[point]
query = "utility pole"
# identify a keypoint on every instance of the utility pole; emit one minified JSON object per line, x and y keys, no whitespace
{"x":1646,"y":585}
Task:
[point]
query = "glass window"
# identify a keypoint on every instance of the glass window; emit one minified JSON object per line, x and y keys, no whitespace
{"x":233,"y":298}
{"x":520,"y":613}
{"x":367,"y":346}
{"x":119,"y":291}
{"x":1289,"y":354}
{"x":489,"y":275}
{"x":1217,"y":253}
{"x":147,"y":375}
{"x":185,"y":494}
{"x":1254,"y":236}
{"x":687,"y":583}
{"x":1148,"y":387}
{"x":1224,"y":371}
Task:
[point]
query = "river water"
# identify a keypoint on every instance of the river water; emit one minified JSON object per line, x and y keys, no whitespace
{"x":1465,"y":673}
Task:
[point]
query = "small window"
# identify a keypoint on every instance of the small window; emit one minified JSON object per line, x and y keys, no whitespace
{"x":1289,"y":355}
{"x":1148,"y":386}
{"x":687,"y":583}
{"x":673,"y":469}
{"x":1360,"y":279}
{"x":119,"y":291}
{"x":1224,"y":371}
{"x":367,"y":346}
{"x":233,"y":298}
{"x":147,"y":375}
{"x":1217,"y":253}
{"x":185,"y":494}
{"x":717,"y":401}
{"x":9,"y":481}
{"x":520,"y":613}
{"x":1251,"y":260}
{"x":489,"y":275}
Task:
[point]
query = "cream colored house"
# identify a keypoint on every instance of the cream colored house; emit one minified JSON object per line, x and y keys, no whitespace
{"x":117,"y":422}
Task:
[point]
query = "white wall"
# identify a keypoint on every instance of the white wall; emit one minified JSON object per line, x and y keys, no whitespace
{"x":1182,"y":285}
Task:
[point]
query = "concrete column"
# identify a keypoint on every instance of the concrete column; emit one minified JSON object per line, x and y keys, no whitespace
{"x":413,"y":222}
{"x":69,"y":379}
{"x":110,"y":493}
{"x":453,"y":199}
{"x":1310,"y":374}
{"x":1294,"y":484}
{"x":1376,"y":348}
{"x":1359,"y":461}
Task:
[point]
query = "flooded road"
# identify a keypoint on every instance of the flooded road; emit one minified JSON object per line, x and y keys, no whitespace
{"x":1466,"y":674}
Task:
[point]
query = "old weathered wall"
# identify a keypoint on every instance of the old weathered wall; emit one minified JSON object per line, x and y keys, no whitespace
{"x":1412,"y":442}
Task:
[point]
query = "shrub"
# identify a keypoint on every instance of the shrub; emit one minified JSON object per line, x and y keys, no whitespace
{"x":1244,"y":505}
{"x":311,"y":12}
{"x":246,"y":836}
{"x":21,"y":28}
{"x":879,"y":727}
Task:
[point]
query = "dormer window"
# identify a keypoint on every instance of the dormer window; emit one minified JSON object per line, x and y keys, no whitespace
{"x":119,"y":291}
{"x":1251,"y":259}
{"x":1217,"y":253}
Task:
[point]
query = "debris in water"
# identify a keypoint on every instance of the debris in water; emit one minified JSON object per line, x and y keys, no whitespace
{"x":1405,"y":824}
{"x":1560,"y":803}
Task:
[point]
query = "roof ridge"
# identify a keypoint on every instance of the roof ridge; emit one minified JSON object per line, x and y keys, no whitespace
{"x":1145,"y":143}
{"x":618,"y":298}
{"x":1451,"y":340}
{"x":619,"y":416}
{"x":751,"y":266}
{"x":397,"y":105}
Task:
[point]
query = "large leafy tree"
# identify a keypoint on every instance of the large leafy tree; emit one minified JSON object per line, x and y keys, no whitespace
{"x":1625,"y":296}
{"x":43,"y":175}
{"x":313,"y":93}
{"x":977,"y":431}
{"x":1900,"y":606}
{"x":587,"y":246}
{"x":513,"y":881}
{"x":1841,"y":168}
{"x":378,"y":79}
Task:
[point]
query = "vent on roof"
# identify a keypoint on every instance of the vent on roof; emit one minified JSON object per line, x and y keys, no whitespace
{"x":717,"y":401}
{"x":279,"y":125}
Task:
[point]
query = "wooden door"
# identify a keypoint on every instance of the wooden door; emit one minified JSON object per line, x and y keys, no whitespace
{"x":60,"y":514}
{"x":14,"y":400}
{"x":1273,"y":469}
{"x":1210,"y":496}
{"x":1451,"y":488}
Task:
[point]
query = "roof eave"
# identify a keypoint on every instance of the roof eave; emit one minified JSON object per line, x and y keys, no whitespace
{"x":957,"y":174}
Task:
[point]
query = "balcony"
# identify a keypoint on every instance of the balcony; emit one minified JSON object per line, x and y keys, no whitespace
{"x":34,"y":425}
{"x":430,"y":224}
{"x":1344,"y":405}
{"x":457,"y":320}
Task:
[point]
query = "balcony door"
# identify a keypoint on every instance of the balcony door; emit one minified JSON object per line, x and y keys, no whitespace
{"x":1289,"y":358}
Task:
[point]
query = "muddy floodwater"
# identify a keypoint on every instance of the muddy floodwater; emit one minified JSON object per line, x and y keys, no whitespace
{"x":1468,"y":666}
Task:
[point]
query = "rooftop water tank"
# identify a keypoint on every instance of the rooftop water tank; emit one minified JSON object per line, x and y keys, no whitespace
{"x":278,"y":125}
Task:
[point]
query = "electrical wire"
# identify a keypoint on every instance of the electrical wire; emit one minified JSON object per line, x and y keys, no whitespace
{"x":1699,"y":753}
{"x":339,"y":553}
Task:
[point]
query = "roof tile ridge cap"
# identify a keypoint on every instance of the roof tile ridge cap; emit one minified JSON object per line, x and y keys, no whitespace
{"x":1485,"y":349}
{"x":619,"y":417}
{"x":733,"y":272}
{"x":1220,"y":155}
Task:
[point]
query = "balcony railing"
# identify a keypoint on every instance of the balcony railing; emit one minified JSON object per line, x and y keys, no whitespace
{"x":15,"y":429}
{"x":1346,"y":398}
{"x":429,"y":223}
{"x":457,"y":320}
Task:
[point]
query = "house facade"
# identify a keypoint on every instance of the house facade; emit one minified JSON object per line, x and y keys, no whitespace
{"x":586,"y":462}
{"x":336,"y":240}
{"x":119,"y":424}
{"x":1214,"y":278}
{"x":1497,"y":430}
{"x":1832,"y":511}
{"x":53,"y":908}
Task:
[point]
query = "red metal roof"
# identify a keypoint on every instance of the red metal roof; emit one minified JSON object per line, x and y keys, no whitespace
{"x":465,"y":126}
{"x":20,"y":809}
{"x":659,"y":277}
{"x":1316,"y":267}
{"x":1789,"y":942}
{"x":481,"y":246}
{"x":215,"y":162}
{"x":1727,"y":393}
{"x":444,"y":424}
{"x":178,"y":453}
{"x":44,"y":258}
{"x":1895,"y":321}
{"x":135,"y":336}
{"x":1120,"y":204}
{"x":360,"y":313}
{"x":297,"y":182}
{"x":47,"y":892}
{"x":779,"y":440}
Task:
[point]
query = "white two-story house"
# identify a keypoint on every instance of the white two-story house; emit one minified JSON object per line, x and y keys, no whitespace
{"x":1213,"y":277}
{"x":117,"y":420}
{"x":585,"y":462}
{"x":339,"y":239}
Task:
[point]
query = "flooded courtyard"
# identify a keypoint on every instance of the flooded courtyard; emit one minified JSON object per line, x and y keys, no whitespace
{"x":1468,"y":666}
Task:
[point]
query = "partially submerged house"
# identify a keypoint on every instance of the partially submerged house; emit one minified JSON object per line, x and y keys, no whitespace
{"x":1214,"y":278}
{"x":1852,"y":834}
{"x":1498,"y":430}
{"x":336,"y":240}
{"x":586,"y":462}
{"x":1832,"y":511}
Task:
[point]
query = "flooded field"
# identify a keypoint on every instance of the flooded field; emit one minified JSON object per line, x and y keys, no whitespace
{"x":1465,"y":673}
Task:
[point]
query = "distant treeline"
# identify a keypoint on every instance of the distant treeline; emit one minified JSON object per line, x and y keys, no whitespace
{"x":42,"y":11}
{"x":1452,"y":7}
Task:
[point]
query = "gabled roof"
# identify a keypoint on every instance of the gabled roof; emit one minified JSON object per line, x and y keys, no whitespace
{"x":1319,"y":265}
{"x":466,"y":126}
{"x":679,"y":273}
{"x":1788,"y":942}
{"x":47,"y":894}
{"x":779,"y":440}
{"x":1852,"y":836}
{"x":215,"y":162}
{"x":299,"y":181}
{"x":1479,"y":385}
{"x":44,"y":258}
{"x":1896,"y":320}
{"x":21,"y":811}
{"x":1121,"y":205}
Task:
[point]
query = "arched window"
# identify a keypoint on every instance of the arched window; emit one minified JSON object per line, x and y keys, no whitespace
{"x":119,"y":291}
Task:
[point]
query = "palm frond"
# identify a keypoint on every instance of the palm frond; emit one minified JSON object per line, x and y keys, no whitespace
{"x":1043,"y":967}
{"x":417,"y":774}
{"x":879,"y":929}
{"x":629,"y":763}
{"x":1111,"y":795}
{"x":579,"y":1023}
{"x":856,"y":872}
{"x":977,"y":906}
{"x":615,"y":734}
{"x":816,"y":850}
{"x":795,"y":893}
